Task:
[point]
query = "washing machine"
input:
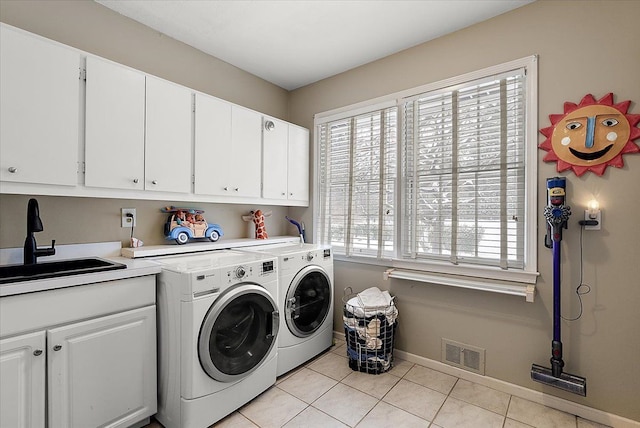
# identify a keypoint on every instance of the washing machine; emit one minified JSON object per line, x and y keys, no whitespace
{"x":305,"y":298}
{"x":218,"y":322}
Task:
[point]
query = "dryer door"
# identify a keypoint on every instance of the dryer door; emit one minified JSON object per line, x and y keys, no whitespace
{"x":308,"y":301}
{"x":238,"y":332}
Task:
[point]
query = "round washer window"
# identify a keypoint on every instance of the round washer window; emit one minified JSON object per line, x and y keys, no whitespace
{"x":238,"y":333}
{"x":308,"y":301}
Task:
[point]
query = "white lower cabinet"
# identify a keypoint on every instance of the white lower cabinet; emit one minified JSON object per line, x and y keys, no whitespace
{"x":22,"y":390}
{"x":100,"y":372}
{"x":96,"y":372}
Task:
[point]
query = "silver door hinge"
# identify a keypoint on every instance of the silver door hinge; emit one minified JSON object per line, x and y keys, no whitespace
{"x":83,"y":74}
{"x":81,"y":167}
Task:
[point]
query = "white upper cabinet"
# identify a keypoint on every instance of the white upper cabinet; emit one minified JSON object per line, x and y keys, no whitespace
{"x":117,"y":132}
{"x":298,"y":164}
{"x":138,"y":130}
{"x":167,"y":137}
{"x":114,"y":135}
{"x":246,"y":142}
{"x":212,"y":140}
{"x":285,"y":161}
{"x":274,"y":158}
{"x":39,"y":110}
{"x":227,"y":149}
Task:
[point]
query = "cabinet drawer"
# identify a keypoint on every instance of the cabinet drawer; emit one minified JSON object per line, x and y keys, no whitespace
{"x":27,"y":312}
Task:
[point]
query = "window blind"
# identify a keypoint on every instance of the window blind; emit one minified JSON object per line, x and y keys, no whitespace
{"x":464,"y":173}
{"x":357,"y":182}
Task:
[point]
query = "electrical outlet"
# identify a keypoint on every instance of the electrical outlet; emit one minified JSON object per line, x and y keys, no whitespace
{"x":598,"y":218}
{"x":128,"y":221}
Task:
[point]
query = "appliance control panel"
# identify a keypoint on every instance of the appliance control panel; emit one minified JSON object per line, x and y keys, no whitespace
{"x":249,"y":271}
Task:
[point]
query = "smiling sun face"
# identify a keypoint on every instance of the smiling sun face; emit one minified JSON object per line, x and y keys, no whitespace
{"x":591,"y":135}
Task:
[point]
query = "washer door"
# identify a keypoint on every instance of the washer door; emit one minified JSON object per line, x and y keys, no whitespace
{"x":308,"y":301}
{"x":238,"y":332}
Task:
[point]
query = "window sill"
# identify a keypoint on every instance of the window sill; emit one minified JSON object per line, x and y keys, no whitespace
{"x":477,"y":278}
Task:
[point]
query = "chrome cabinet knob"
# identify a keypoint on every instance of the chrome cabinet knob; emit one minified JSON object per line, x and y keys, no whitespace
{"x":226,"y":189}
{"x":135,"y":180}
{"x":236,"y":189}
{"x":154,"y":182}
{"x":13,"y":169}
{"x":57,"y":347}
{"x":37,"y":352}
{"x":269,"y":125}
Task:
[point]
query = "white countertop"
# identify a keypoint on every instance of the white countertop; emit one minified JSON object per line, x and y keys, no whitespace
{"x":131,"y":257}
{"x":109,"y":251}
{"x":195,"y":247}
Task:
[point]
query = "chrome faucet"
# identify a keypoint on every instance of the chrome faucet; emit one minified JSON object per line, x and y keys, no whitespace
{"x":34,"y":224}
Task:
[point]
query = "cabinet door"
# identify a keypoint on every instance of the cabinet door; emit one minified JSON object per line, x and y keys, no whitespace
{"x":246,"y":135}
{"x":168,"y":137}
{"x":114,"y":146}
{"x":103,"y":371}
{"x":298,"y":164}
{"x":39,"y":110}
{"x":22,"y":370}
{"x":274,"y":159}
{"x":212,"y":154}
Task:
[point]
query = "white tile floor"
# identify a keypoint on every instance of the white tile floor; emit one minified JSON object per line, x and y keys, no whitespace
{"x":326,"y":393}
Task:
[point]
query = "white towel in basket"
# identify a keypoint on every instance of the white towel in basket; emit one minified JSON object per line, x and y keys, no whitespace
{"x":371,"y":302}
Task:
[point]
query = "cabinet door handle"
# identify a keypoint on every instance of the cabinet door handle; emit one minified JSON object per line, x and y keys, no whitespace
{"x":154,"y":182}
{"x":135,"y":180}
{"x":13,"y":169}
{"x":236,"y":189}
{"x":37,"y":352}
{"x":57,"y":347}
{"x":226,"y":188}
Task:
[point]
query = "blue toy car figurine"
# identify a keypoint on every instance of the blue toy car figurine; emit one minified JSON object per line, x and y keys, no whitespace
{"x":184,"y":224}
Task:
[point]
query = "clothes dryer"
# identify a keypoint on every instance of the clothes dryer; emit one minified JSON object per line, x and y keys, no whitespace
{"x":305,"y":298}
{"x":218,"y":322}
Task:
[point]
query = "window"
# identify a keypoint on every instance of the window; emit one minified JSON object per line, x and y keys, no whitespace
{"x":458,"y":158}
{"x":464,"y":173}
{"x":358,"y":172}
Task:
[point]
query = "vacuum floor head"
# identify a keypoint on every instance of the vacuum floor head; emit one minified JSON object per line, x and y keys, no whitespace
{"x":567,"y":382}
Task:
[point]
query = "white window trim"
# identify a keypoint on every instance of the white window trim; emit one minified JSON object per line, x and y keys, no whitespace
{"x":490,"y":276}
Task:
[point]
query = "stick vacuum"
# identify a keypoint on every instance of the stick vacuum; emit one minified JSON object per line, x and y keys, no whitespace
{"x":557,"y":213}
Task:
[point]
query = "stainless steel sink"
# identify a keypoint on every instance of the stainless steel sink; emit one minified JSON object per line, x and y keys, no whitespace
{"x":17,"y":273}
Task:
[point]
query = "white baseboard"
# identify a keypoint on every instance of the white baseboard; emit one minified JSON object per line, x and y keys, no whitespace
{"x":554,"y":402}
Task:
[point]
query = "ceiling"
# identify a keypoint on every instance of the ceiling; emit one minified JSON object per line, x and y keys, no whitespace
{"x":294,"y":43}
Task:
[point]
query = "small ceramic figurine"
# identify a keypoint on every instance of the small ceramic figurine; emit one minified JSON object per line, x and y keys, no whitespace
{"x":258,"y":220}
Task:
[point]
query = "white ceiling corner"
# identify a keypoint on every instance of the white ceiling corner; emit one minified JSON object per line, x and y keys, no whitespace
{"x":293,"y":43}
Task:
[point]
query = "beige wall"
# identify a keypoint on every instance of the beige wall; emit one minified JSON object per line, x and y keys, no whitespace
{"x":93,"y":28}
{"x":583,"y":47}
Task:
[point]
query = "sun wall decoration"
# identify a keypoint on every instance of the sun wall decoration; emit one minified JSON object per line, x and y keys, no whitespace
{"x":591,"y":135}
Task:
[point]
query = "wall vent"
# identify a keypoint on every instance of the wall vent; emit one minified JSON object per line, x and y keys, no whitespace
{"x":464,"y":356}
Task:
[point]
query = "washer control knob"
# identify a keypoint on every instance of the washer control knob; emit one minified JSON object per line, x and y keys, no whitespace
{"x":310,"y":256}
{"x":240,"y":272}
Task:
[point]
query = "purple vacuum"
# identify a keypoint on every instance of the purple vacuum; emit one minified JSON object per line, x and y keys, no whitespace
{"x":557,"y":213}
